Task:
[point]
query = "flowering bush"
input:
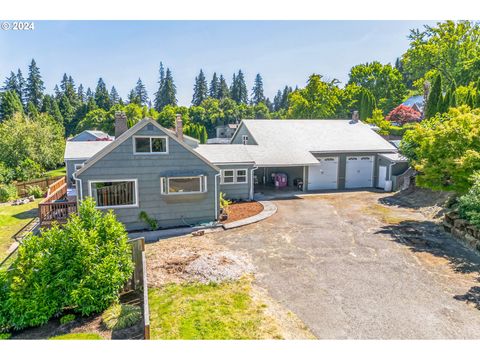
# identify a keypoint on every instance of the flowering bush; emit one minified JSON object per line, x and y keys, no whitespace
{"x":403,"y":114}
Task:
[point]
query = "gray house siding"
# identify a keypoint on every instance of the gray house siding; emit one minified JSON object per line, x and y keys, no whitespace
{"x":168,"y":210}
{"x":70,"y":169}
{"x":237,"y":137}
{"x":237,"y":191}
{"x":342,"y":165}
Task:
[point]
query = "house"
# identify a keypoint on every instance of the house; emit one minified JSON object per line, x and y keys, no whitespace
{"x":177,"y":181}
{"x":415,"y":102}
{"x":223,"y":134}
{"x":92,"y":135}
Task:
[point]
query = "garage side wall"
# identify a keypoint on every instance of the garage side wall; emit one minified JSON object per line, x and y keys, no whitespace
{"x":342,"y":164}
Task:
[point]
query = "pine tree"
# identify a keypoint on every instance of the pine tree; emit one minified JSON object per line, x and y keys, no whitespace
{"x":158,"y":101}
{"x":57,"y":92}
{"x":277,"y":101}
{"x":223,"y":92}
{"x":234,"y":88}
{"x":21,"y":83}
{"x":214,"y":86}
{"x":64,"y":82}
{"x":200,"y":89}
{"x":81,"y":94}
{"x":257,"y":91}
{"x":453,"y":97}
{"x":114,"y":97}
{"x":287,"y":90}
{"x":9,"y":104}
{"x":169,"y":91}
{"x":89,"y":94}
{"x":102,"y":98}
{"x":434,"y":97}
{"x":141,"y":92}
{"x":34,"y":88}
{"x":269,"y":104}
{"x":68,"y":113}
{"x":444,"y":102}
{"x":11,"y":84}
{"x":133,"y":98}
{"x":50,"y":106}
{"x":238,"y":90}
{"x":367,"y":104}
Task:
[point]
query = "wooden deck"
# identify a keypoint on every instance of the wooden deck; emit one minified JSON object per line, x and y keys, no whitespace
{"x":56,"y":207}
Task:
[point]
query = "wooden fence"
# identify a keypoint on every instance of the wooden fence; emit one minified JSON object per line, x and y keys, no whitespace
{"x":139,"y":280}
{"x":22,"y":187}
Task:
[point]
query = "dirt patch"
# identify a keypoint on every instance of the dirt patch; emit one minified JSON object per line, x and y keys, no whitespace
{"x":194,"y":259}
{"x":243,"y":210}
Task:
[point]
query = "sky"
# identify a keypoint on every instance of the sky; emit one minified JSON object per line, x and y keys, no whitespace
{"x":283,"y":52}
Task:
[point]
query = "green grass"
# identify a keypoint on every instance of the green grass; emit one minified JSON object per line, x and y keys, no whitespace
{"x":214,"y":311}
{"x":12,"y":219}
{"x":57,"y":172}
{"x":77,"y":336}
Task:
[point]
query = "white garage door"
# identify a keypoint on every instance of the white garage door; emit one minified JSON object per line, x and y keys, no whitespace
{"x":324,"y":175}
{"x":359,"y":172}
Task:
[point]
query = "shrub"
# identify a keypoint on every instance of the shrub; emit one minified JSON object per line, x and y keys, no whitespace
{"x":224,"y":203}
{"x":118,"y":317}
{"x":65,"y":319}
{"x":151,"y":222}
{"x":6,"y":174}
{"x":27,"y":170}
{"x":404,"y":114}
{"x":8,"y":192}
{"x":82,"y":266}
{"x":35,"y":191}
{"x":469,"y":204}
{"x":5,"y":336}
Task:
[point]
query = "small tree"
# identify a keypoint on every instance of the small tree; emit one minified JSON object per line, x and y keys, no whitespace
{"x":403,"y":114}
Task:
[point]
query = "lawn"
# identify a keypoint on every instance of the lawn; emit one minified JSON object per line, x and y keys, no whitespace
{"x":12,"y":219}
{"x":77,"y":336}
{"x":57,"y":172}
{"x":209,"y":311}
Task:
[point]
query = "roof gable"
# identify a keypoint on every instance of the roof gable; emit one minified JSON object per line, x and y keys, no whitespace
{"x":131,"y":132}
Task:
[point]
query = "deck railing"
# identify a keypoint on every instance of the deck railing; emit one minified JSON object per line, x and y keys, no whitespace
{"x":52,"y":208}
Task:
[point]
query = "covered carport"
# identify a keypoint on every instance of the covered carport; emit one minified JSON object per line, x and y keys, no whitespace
{"x":264,"y":178}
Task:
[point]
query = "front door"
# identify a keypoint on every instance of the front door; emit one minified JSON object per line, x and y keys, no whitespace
{"x":382,"y":177}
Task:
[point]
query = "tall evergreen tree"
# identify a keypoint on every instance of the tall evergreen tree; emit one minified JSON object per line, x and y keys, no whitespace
{"x":200,"y":89}
{"x":257,"y":91}
{"x":89,"y":94}
{"x":133,"y":97}
{"x":9,"y":104}
{"x":477,"y":99}
{"x":81,"y":93}
{"x":68,"y":113}
{"x":64,"y":83}
{"x":269,"y":104}
{"x":367,"y":104}
{"x":277,"y":101}
{"x":114,"y":97}
{"x":453,"y":96}
{"x":50,"y":106}
{"x":287,"y":90}
{"x":223,"y":91}
{"x":214,"y":86}
{"x":102,"y":98}
{"x":57,"y":92}
{"x":141,"y":92}
{"x":169,"y":90}
{"x":239,"y":91}
{"x":11,"y":84}
{"x":157,"y":101}
{"x":34,"y":87}
{"x":434,"y":97}
{"x":21,"y":83}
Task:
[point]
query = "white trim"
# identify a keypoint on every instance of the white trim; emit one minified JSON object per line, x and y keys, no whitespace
{"x":203,"y":185}
{"x":245,"y":139}
{"x":90,"y":182}
{"x":235,"y":176}
{"x":150,"y":137}
{"x":252,"y":183}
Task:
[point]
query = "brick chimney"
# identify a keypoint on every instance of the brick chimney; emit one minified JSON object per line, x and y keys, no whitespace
{"x":120,"y":123}
{"x":179,"y":127}
{"x":355,"y":116}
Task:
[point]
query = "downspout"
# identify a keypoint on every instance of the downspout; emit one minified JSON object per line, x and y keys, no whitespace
{"x":79,"y":189}
{"x":252,"y":191}
{"x":216,"y":196}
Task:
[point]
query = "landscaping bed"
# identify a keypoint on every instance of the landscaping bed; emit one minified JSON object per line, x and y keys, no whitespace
{"x":243,"y":210}
{"x":85,"y":328}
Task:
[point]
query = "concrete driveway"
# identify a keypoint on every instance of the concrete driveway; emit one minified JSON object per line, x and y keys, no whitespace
{"x":353,"y":268}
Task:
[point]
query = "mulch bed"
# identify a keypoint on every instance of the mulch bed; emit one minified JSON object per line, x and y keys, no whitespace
{"x":243,"y":210}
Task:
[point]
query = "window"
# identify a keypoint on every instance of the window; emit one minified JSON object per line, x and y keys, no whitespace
{"x":183,"y":185}
{"x":150,"y":145}
{"x":115,"y":193}
{"x":245,"y":139}
{"x":238,"y":176}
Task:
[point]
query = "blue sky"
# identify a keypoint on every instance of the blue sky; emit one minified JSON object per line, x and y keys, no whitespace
{"x":283,"y":52}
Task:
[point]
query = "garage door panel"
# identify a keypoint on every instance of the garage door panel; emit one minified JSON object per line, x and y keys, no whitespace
{"x":359,"y":172}
{"x":323,"y":176}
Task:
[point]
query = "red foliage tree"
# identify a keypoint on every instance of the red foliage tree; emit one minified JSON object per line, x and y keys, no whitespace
{"x":404,"y":114}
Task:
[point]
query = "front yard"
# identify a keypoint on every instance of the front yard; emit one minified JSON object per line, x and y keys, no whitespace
{"x":12,"y":219}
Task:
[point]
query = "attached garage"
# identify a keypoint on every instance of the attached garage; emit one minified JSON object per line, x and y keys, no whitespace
{"x":359,"y":172}
{"x":323,"y":176}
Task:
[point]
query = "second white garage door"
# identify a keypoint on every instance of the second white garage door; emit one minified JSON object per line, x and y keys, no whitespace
{"x":324,"y":175}
{"x":359,"y":172}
